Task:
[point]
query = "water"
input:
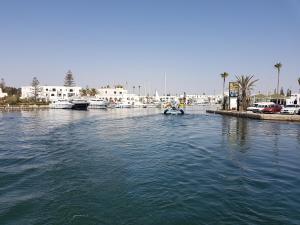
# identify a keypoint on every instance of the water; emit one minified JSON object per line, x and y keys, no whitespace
{"x":138,"y":166}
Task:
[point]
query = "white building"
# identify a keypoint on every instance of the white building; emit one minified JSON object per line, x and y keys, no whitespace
{"x":118,"y":94}
{"x":51,"y":93}
{"x":204,"y":99}
{"x":294,"y":99}
{"x":2,"y":94}
{"x":112,"y":94}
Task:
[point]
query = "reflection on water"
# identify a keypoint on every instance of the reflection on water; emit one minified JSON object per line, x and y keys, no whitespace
{"x":137,"y":166}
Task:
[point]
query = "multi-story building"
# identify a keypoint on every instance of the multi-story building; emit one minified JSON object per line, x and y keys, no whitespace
{"x":51,"y":93}
{"x":116,"y":93}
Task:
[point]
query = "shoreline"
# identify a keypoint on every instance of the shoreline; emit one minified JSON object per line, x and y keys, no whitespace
{"x":23,"y":108}
{"x":257,"y":116}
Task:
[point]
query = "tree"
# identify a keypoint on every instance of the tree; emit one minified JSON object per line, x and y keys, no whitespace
{"x":69,"y":79}
{"x":84,"y":91}
{"x":246,"y":84}
{"x":2,"y":84}
{"x":141,"y":86}
{"x":93,"y":92}
{"x":224,"y":76}
{"x":278,"y":67}
{"x":35,"y":88}
{"x":281,"y":91}
{"x":299,"y":82}
{"x":288,"y":93}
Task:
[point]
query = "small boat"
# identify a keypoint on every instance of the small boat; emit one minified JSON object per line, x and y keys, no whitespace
{"x":98,"y":104}
{"x":173,"y":111}
{"x":79,"y":104}
{"x":61,"y":104}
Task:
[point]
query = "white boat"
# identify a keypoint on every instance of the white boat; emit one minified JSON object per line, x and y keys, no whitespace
{"x":61,"y":104}
{"x":173,"y":111}
{"x":98,"y":104}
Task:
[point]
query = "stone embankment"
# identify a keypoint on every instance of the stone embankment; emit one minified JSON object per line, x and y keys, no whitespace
{"x":23,"y":108}
{"x":258,"y":116}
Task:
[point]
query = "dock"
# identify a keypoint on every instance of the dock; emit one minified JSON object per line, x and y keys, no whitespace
{"x":257,"y":116}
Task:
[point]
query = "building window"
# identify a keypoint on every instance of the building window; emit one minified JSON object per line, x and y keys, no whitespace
{"x":71,"y":90}
{"x":46,"y":89}
{"x":53,"y":89}
{"x":115,"y":92}
{"x":105,"y":92}
{"x":52,"y":94}
{"x":120,"y":92}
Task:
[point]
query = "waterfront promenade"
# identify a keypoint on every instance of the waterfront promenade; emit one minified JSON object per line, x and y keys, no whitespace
{"x":258,"y":116}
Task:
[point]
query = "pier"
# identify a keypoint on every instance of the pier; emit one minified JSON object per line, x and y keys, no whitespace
{"x":258,"y":116}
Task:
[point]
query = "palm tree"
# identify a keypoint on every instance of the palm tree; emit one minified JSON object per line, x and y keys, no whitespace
{"x":141,"y":86}
{"x":299,"y":82}
{"x":93,"y":92}
{"x":278,"y":67}
{"x":224,"y":76}
{"x":246,"y":84}
{"x":83,"y":91}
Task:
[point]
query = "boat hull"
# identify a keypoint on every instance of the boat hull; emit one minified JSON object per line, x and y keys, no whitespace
{"x":68,"y":106}
{"x":97,"y":106}
{"x":80,"y":106}
{"x":173,"y":112}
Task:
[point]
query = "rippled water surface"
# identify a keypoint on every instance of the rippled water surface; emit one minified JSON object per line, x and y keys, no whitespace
{"x":137,"y":166}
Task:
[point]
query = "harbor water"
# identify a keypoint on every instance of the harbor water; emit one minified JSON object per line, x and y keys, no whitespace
{"x":138,"y":166}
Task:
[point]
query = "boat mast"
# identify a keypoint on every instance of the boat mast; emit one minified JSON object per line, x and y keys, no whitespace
{"x":165,"y":84}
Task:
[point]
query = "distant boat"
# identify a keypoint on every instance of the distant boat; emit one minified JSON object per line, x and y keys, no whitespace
{"x":79,"y":104}
{"x":61,"y":104}
{"x":98,"y":104}
{"x":173,"y":111}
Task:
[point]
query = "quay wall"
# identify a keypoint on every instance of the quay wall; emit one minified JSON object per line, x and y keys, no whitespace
{"x":23,"y":108}
{"x":251,"y":115}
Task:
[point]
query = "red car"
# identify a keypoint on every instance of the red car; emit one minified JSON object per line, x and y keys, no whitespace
{"x":272,"y":109}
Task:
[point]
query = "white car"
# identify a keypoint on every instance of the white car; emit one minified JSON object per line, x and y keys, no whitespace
{"x":290,"y":109}
{"x":251,"y":108}
{"x":261,"y":105}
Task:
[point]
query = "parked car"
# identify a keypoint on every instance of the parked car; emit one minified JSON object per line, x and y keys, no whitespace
{"x":261,"y":105}
{"x":251,"y":108}
{"x":272,"y":109}
{"x":290,"y":109}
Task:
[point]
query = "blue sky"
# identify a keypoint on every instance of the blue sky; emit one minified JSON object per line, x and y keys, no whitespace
{"x":109,"y":42}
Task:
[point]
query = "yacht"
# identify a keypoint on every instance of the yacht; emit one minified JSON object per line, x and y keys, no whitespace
{"x":98,"y":104}
{"x":61,"y":104}
{"x":79,"y":104}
